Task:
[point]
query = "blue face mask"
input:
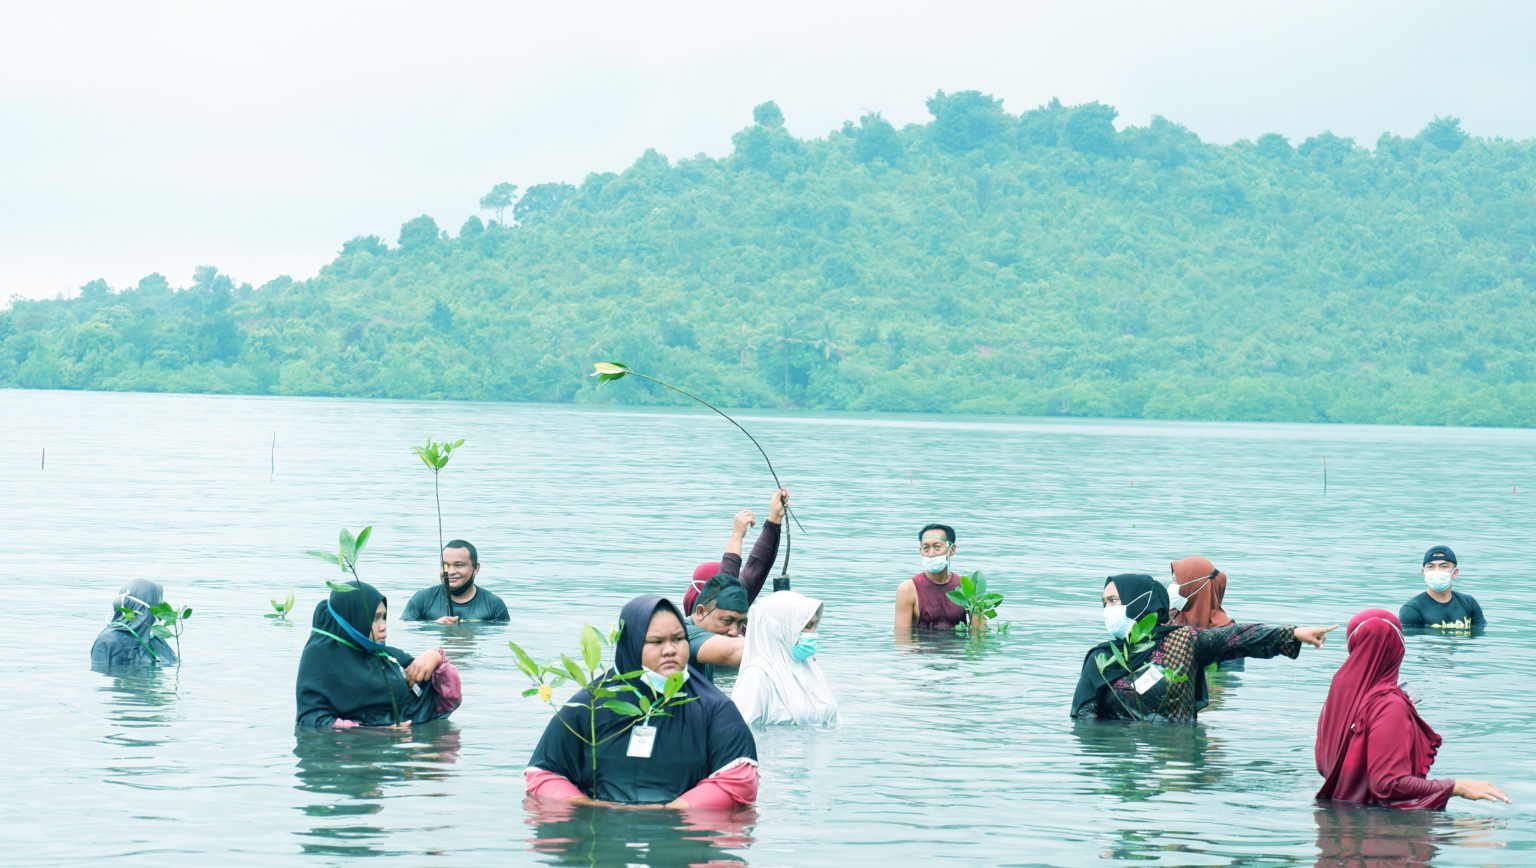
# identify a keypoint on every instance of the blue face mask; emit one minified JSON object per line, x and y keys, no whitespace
{"x":1438,"y":580}
{"x":1117,"y":622}
{"x":805,"y":648}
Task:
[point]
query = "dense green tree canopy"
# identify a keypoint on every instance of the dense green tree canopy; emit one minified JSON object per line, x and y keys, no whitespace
{"x":1038,"y":264}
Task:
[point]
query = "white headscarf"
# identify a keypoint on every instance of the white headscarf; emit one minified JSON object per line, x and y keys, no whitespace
{"x":772,"y":686}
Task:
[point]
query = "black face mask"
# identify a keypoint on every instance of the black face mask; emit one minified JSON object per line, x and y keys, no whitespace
{"x":461,"y":591}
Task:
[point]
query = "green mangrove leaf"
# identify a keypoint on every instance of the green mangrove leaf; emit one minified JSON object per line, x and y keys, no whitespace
{"x":645,"y":705}
{"x":348,"y":545}
{"x":530,"y":691}
{"x":605,"y":371}
{"x":623,"y":707}
{"x":674,"y":684}
{"x":576,"y":674}
{"x":524,"y":662}
{"x":339,"y":587}
{"x":591,"y":646}
{"x":362,"y":537}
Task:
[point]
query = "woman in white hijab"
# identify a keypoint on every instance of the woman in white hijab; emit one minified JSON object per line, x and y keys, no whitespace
{"x":779,"y":681}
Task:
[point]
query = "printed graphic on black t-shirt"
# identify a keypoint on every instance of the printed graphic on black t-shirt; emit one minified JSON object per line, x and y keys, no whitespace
{"x":1461,"y":613}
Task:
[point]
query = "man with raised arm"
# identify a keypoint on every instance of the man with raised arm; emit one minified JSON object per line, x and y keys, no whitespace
{"x":764,"y":553}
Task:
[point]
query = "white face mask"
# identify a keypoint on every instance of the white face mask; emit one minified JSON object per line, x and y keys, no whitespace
{"x":936,"y":564}
{"x":1116,"y":621}
{"x":1438,"y":580}
{"x":1175,"y":599}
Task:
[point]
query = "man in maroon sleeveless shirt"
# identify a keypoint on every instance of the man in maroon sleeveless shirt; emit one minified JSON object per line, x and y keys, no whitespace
{"x":922,"y":600}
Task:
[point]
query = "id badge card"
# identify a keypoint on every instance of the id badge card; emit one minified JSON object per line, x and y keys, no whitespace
{"x":1149,"y":679}
{"x":641,"y":740}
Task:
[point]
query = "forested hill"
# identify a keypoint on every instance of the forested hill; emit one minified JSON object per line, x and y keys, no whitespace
{"x":1040,"y":264}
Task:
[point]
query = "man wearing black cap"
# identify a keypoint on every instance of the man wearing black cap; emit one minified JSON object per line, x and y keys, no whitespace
{"x":714,"y":631}
{"x":1440,"y":606}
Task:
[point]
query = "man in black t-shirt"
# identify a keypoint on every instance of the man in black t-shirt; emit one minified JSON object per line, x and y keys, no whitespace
{"x":1440,"y":606}
{"x":470,"y":602}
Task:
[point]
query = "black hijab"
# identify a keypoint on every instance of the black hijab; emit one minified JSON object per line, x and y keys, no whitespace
{"x":128,"y":639}
{"x":1141,"y":594}
{"x":342,"y":674}
{"x":693,"y":742}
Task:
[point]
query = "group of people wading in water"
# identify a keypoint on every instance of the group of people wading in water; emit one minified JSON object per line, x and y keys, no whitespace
{"x":1372,"y":746}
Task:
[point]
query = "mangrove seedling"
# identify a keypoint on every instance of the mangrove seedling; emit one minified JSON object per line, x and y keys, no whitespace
{"x":435,"y":455}
{"x":979,"y":604}
{"x":605,"y":371}
{"x":349,"y":549}
{"x":1140,"y":638}
{"x":281,"y":609}
{"x":605,"y":688}
{"x":169,"y":624}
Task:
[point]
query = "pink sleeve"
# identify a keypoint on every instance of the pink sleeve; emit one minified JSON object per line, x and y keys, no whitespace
{"x":450,"y":691}
{"x":1393,"y":779}
{"x":736,"y":784}
{"x":548,"y":785}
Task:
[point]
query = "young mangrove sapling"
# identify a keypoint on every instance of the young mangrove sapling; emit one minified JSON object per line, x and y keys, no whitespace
{"x":435,"y":456}
{"x":605,"y":371}
{"x":605,"y":688}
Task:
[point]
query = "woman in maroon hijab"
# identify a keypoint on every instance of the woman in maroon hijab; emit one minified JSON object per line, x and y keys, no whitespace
{"x":1372,"y":746}
{"x":1201,"y":587}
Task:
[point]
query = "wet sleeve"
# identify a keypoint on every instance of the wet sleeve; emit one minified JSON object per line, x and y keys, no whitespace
{"x":1245,"y":640}
{"x":697,"y":636}
{"x":732,"y":786}
{"x":765,"y":551}
{"x":499,"y":612}
{"x":413,"y":608}
{"x":1409,"y":615}
{"x":1389,"y":766}
{"x":1087,"y":711}
{"x":449,"y":689}
{"x":1477,"y":614}
{"x":548,"y":785}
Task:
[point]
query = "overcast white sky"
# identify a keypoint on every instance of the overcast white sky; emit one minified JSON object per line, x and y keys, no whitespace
{"x":258,"y":136}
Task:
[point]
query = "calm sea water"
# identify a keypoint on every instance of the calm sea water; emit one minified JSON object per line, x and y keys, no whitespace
{"x":951,"y":751}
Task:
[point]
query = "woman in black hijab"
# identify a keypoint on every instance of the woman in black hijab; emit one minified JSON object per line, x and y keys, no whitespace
{"x":349,"y":677}
{"x":1162,"y":676}
{"x":128,"y":640}
{"x":701,"y":754}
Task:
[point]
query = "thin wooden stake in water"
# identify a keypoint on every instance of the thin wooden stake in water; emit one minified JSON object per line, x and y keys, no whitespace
{"x":44,"y":464}
{"x":1325,"y":476}
{"x":273,"y":456}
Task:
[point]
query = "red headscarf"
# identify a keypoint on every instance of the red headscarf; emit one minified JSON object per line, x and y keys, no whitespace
{"x":1375,"y":642}
{"x":1204,"y":592}
{"x":701,"y":574}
